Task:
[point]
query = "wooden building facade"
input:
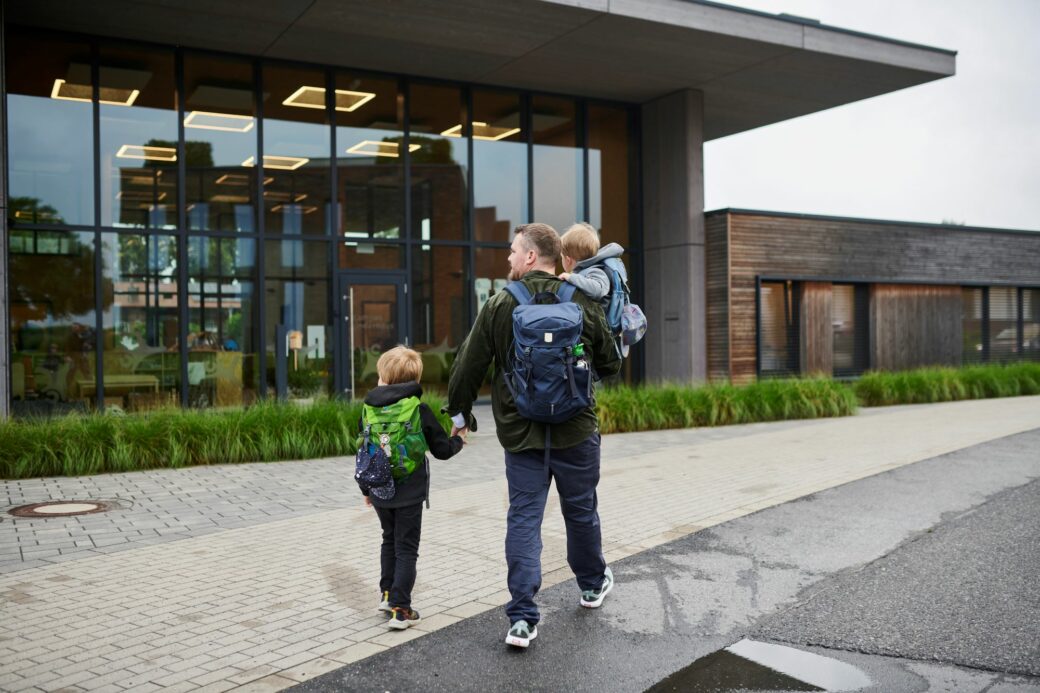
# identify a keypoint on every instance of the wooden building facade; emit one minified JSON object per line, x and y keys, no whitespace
{"x":792,"y":294}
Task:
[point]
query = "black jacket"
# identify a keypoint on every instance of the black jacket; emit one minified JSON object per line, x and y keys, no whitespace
{"x":416,"y":488}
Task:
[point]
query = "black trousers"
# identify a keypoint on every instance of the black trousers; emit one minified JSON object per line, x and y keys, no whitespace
{"x":402,"y":528}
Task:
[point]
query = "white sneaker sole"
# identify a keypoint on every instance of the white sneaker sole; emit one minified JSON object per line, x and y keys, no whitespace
{"x":385,"y":608}
{"x":602,"y":596}
{"x":402,"y":625}
{"x":516,"y":641}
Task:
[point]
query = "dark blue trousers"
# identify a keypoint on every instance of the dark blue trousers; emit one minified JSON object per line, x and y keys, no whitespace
{"x":576,"y":471}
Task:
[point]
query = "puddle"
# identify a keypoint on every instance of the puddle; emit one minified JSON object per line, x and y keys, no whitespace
{"x":750,"y":665}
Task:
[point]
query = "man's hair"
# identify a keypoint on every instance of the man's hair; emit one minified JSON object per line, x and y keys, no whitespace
{"x":542,"y":239}
{"x":399,"y":365}
{"x":580,"y":241}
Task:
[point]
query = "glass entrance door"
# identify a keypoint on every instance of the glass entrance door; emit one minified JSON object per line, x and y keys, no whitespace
{"x":371,"y":320}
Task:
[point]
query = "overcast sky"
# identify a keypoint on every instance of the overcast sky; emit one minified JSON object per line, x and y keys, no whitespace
{"x":965,"y":148}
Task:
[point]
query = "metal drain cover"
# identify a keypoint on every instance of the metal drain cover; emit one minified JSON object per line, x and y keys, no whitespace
{"x":62,"y":508}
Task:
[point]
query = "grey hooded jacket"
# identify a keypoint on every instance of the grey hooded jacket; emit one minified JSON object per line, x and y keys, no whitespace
{"x":593,"y":281}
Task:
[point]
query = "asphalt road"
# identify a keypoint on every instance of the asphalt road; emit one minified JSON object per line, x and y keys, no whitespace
{"x":928,"y":564}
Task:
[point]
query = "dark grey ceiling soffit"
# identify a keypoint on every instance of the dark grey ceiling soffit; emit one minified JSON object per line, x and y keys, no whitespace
{"x":754,"y":68}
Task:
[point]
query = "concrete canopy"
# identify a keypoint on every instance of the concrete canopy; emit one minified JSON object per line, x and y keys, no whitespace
{"x":753,"y":68}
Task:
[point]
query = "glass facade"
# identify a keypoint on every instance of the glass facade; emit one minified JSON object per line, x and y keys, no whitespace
{"x":215,"y":219}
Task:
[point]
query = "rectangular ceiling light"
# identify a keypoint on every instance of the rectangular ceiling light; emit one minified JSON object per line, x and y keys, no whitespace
{"x":373,"y":148}
{"x":85,"y":92}
{"x":314,"y":97}
{"x":139,"y":151}
{"x":228,"y":122}
{"x":302,"y":209}
{"x":139,"y":196}
{"x":239,"y":179}
{"x":284,"y":163}
{"x":281,"y":196}
{"x":482,"y":131}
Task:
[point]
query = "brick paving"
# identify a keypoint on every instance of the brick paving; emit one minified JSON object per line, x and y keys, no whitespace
{"x":260,"y":576}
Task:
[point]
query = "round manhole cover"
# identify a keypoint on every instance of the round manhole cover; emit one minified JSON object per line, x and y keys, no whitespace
{"x":62,"y":508}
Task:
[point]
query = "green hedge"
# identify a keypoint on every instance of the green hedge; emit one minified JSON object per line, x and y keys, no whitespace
{"x":928,"y":385}
{"x":645,"y":408}
{"x":75,"y":445}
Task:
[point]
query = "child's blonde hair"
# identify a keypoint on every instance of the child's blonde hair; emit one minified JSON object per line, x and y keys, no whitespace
{"x":580,"y":242}
{"x":399,"y":365}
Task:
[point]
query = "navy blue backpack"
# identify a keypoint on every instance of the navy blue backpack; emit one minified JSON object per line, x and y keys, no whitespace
{"x":549,"y":375}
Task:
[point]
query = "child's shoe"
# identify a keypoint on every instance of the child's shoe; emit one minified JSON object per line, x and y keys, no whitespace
{"x":401,"y":618}
{"x":384,"y":603}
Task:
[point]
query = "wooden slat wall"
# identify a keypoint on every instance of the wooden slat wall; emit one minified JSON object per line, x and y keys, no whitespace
{"x":915,"y":326}
{"x":716,"y":243}
{"x":820,"y":248}
{"x":816,"y":337}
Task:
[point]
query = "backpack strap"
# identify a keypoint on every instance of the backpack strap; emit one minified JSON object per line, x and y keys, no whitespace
{"x":565,"y":292}
{"x":520,"y":292}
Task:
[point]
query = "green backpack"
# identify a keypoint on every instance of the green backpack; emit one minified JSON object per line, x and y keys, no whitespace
{"x":397,"y":429}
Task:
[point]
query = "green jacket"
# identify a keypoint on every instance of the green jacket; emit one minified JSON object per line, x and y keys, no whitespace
{"x":491,"y":341}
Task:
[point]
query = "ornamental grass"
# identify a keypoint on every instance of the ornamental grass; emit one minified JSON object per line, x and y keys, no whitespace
{"x":927,"y":385}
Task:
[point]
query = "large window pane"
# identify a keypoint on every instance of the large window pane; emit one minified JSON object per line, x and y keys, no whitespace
{"x":439,"y":163}
{"x":1003,"y":324}
{"x":608,"y":173}
{"x":369,"y":137}
{"x":222,"y":359}
{"x":371,"y":256}
{"x":139,"y":141}
{"x":490,"y":273}
{"x":778,"y":329}
{"x":296,"y":152}
{"x":558,"y":163}
{"x":499,"y":165}
{"x":220,"y":143}
{"x":140,"y":319}
{"x":1031,"y":323}
{"x":296,"y":296}
{"x":50,"y":133}
{"x":439,"y":309}
{"x":53,"y":328}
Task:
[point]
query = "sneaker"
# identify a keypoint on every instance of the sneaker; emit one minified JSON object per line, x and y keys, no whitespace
{"x":401,"y":618}
{"x":593,"y":598}
{"x":384,"y":603}
{"x":520,"y":634}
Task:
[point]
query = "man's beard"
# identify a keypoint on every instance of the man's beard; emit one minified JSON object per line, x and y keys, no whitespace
{"x":514,"y":275}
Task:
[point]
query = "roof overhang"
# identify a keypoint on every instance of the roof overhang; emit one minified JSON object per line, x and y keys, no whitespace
{"x":753,"y":68}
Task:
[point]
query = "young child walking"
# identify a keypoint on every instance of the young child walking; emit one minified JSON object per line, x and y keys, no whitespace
{"x":400,"y":516}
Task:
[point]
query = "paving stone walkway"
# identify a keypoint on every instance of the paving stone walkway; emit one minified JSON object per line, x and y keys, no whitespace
{"x":260,"y":576}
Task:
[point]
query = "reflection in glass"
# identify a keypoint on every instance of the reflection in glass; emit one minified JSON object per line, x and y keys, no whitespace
{"x":140,"y":359}
{"x":50,"y":130}
{"x":608,"y":173}
{"x":1003,"y":324}
{"x":372,"y":329}
{"x":438,"y":309}
{"x":296,"y":200}
{"x":296,"y":297}
{"x":439,"y":163}
{"x":778,"y":329}
{"x":1031,"y":323}
{"x":220,"y":144}
{"x":971,"y":322}
{"x":499,"y":165}
{"x":369,"y":137}
{"x":222,"y":366}
{"x":53,"y":323}
{"x":558,"y":163}
{"x":139,"y":142}
{"x":490,"y":273}
{"x":351,"y":254}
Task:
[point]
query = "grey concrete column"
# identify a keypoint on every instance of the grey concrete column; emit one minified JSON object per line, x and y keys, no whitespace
{"x":5,"y":338}
{"x":673,"y":237}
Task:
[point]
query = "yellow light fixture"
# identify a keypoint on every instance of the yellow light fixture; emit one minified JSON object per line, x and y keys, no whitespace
{"x":239,"y":179}
{"x":302,"y":209}
{"x":482,"y":131}
{"x":282,"y":196}
{"x":227,"y":122}
{"x":139,"y":151}
{"x":139,"y":196}
{"x":232,"y":199}
{"x":85,"y":92}
{"x":314,"y":97}
{"x":374,"y":148}
{"x":284,"y":163}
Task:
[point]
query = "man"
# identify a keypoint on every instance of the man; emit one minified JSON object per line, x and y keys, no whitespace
{"x":573,"y":458}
